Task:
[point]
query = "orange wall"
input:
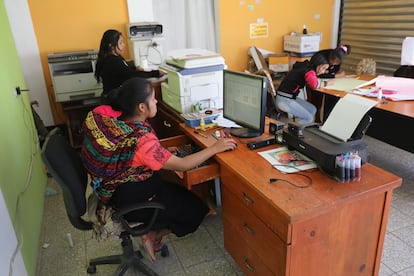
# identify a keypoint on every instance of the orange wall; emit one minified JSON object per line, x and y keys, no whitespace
{"x":78,"y":25}
{"x":282,"y":17}
{"x":74,"y":25}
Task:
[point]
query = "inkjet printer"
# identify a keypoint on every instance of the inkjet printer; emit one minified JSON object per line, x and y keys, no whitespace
{"x":322,"y":147}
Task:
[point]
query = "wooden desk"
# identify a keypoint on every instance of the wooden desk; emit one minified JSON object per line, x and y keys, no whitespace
{"x":277,"y":229}
{"x":392,"y":120}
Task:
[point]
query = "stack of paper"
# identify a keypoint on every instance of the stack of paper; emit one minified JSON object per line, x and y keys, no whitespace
{"x":346,"y":115}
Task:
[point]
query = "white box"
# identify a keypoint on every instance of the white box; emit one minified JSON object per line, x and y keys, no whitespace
{"x":301,"y":43}
{"x":183,"y":91}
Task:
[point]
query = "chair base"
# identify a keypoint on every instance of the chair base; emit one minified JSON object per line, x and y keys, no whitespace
{"x":129,"y":259}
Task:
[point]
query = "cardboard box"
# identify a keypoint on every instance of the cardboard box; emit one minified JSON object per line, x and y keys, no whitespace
{"x":300,"y":43}
{"x":278,"y":62}
{"x":294,"y":59}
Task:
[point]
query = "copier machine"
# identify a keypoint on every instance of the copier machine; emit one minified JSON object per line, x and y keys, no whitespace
{"x":195,"y":80}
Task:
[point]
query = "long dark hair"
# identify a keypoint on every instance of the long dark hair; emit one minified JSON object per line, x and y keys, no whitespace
{"x":131,"y":93}
{"x":108,"y":44}
{"x":317,"y":60}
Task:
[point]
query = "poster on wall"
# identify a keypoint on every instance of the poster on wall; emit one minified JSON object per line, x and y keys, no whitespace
{"x":259,"y":30}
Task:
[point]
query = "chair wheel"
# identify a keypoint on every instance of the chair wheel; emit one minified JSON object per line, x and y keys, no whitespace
{"x":165,"y":252}
{"x":91,"y":269}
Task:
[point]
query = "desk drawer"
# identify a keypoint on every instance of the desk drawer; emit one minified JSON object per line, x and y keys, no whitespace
{"x":261,"y":207}
{"x":248,"y":261}
{"x":265,"y":243}
{"x":166,"y":123}
{"x":197,"y":175}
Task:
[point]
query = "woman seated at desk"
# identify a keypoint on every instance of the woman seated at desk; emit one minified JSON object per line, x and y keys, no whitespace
{"x":302,"y":74}
{"x":335,"y":58}
{"x":111,"y":67}
{"x":123,"y":156}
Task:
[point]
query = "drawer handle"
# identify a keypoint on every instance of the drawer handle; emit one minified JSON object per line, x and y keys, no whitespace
{"x":249,"y":266}
{"x":167,"y":124}
{"x":248,"y":229}
{"x":247,"y":199}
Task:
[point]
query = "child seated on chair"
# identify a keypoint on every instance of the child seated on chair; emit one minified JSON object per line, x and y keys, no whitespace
{"x":123,"y":155}
{"x":302,"y":74}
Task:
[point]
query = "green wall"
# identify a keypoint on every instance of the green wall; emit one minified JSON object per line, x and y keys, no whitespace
{"x":23,"y":176}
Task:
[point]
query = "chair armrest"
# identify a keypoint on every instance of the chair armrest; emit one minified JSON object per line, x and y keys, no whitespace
{"x":143,"y":227}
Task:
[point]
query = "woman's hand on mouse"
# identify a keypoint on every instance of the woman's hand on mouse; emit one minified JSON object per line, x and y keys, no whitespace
{"x":224,"y":144}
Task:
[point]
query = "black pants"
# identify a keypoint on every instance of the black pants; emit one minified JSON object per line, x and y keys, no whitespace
{"x":184,"y":211}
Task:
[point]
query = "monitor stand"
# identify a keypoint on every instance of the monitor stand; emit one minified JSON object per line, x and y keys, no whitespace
{"x":245,"y":132}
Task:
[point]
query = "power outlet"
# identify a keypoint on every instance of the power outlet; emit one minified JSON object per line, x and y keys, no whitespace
{"x":17,"y":91}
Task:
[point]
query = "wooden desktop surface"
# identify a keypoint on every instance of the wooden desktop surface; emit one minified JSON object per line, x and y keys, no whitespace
{"x":328,"y":228}
{"x":324,"y":190}
{"x":405,"y":108}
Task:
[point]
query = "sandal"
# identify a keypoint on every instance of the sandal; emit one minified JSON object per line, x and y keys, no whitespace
{"x":148,"y":244}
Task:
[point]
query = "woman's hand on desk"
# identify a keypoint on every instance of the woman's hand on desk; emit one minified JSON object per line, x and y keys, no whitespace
{"x":326,"y":82}
{"x":340,"y":74}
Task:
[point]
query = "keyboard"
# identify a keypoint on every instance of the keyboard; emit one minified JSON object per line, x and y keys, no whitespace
{"x":184,"y":150}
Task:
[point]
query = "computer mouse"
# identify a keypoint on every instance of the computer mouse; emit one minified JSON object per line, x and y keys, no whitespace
{"x":233,"y":148}
{"x":208,"y":112}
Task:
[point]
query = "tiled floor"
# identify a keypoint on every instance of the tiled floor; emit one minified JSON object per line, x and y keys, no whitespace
{"x":203,"y":253}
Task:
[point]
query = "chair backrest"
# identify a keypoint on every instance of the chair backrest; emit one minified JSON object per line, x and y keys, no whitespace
{"x":65,"y":165}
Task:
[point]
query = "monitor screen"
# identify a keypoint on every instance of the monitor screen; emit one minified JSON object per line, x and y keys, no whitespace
{"x":244,"y":102}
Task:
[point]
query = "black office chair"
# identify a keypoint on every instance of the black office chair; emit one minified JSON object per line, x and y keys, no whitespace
{"x":64,"y":164}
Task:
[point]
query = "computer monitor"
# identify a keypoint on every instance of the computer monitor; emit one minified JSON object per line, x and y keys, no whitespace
{"x":244,"y":102}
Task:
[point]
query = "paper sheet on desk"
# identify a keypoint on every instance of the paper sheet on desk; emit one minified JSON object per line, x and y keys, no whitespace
{"x":287,"y":161}
{"x":346,"y":115}
{"x":345,"y":84}
{"x":224,"y":122}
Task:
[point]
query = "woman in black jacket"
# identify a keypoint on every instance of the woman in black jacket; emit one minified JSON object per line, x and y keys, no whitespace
{"x":111,"y":68}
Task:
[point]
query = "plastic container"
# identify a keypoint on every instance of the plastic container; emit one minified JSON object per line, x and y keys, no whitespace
{"x":193,"y":119}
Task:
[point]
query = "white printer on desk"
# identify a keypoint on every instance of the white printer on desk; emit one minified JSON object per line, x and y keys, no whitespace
{"x":195,"y":79}
{"x":144,"y":42}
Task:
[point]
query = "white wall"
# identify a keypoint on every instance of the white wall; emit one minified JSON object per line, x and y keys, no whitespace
{"x":11,"y":262}
{"x":335,"y":23}
{"x":28,"y":51}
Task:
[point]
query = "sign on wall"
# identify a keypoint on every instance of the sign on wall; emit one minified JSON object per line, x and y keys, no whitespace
{"x":259,"y":30}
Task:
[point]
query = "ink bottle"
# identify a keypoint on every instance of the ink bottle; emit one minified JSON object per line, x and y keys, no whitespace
{"x":202,"y":124}
{"x":304,"y":30}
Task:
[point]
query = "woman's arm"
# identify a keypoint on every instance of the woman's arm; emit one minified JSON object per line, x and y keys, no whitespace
{"x":188,"y":162}
{"x":312,"y":80}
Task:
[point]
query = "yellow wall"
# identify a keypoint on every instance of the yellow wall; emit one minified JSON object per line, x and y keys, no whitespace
{"x":282,"y":17}
{"x":79,"y":24}
{"x":62,"y":26}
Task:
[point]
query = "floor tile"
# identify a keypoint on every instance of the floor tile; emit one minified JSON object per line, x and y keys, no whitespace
{"x":397,"y":255}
